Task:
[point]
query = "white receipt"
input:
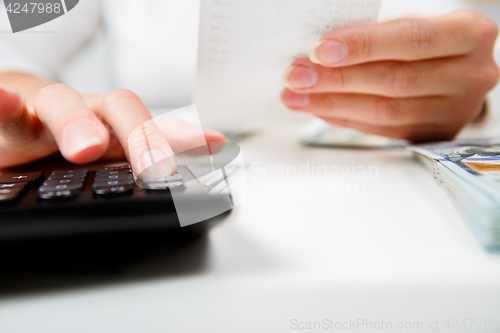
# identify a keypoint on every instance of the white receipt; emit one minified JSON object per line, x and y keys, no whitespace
{"x":246,"y":45}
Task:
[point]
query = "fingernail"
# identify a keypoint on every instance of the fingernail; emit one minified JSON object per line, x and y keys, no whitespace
{"x":328,"y":52}
{"x":11,"y":105}
{"x":300,"y":77}
{"x":295,"y":101}
{"x":155,"y":163}
{"x":218,"y":135}
{"x":79,"y":136}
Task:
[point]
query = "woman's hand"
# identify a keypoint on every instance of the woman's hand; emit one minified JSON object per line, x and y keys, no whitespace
{"x":79,"y":126}
{"x":421,"y":79}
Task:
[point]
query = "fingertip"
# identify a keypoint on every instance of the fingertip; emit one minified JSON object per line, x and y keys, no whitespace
{"x":11,"y":105}
{"x":214,"y":136}
{"x":328,"y":52}
{"x":295,"y":101}
{"x":312,"y":53}
{"x":84,"y":141}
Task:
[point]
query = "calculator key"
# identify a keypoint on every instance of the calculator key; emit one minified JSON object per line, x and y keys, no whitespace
{"x":68,"y":176}
{"x":114,"y":177}
{"x":13,"y":185}
{"x":111,"y":183}
{"x":114,"y":190}
{"x":160,"y":185}
{"x":63,"y":172}
{"x":60,"y":187}
{"x":14,"y":191}
{"x":112,"y":173}
{"x":174,"y":178}
{"x":114,"y":168}
{"x":8,"y":197}
{"x":58,"y":194}
{"x":20,"y":177}
{"x":64,"y":181}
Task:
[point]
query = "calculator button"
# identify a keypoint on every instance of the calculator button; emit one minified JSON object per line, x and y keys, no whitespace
{"x":160,"y":185}
{"x":112,"y":173}
{"x":58,"y":194}
{"x":67,"y":176}
{"x":14,"y":191}
{"x":174,"y":178}
{"x":63,"y":172}
{"x":64,"y":181}
{"x":13,"y":185}
{"x":114,"y":168}
{"x":114,"y":177}
{"x":60,"y":187}
{"x":8,"y":197}
{"x":21,"y":177}
{"x":113,"y":190}
{"x":111,"y":183}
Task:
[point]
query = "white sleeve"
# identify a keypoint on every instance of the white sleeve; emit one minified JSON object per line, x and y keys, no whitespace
{"x":43,"y":50}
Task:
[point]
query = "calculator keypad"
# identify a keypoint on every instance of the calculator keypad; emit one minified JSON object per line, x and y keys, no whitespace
{"x":13,"y":185}
{"x":111,"y":181}
{"x":64,"y":181}
{"x":21,"y":178}
{"x":8,"y":191}
{"x":113,"y":190}
{"x":63,"y":184}
{"x":68,"y":176}
{"x":8,"y":197}
{"x":113,"y":177}
{"x":60,"y":187}
{"x":114,"y":168}
{"x":51,"y":195}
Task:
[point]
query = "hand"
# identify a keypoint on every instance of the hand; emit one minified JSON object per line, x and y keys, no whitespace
{"x":79,"y":126}
{"x":421,"y":79}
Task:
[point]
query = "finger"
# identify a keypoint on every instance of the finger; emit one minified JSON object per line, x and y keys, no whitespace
{"x":23,"y":138}
{"x":415,"y":133}
{"x":80,"y":136}
{"x":454,"y":34}
{"x":368,"y":109}
{"x":146,"y":148}
{"x":15,"y":122}
{"x":386,"y":78}
{"x":182,"y":136}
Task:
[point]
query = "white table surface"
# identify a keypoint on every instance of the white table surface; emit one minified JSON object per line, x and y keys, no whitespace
{"x":395,"y":251}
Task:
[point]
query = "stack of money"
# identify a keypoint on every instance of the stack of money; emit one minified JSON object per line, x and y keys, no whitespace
{"x":469,"y":171}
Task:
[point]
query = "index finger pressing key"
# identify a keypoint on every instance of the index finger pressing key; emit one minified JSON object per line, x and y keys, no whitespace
{"x":147,"y":149}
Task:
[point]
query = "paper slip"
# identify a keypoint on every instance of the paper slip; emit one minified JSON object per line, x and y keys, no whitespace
{"x":245,"y":47}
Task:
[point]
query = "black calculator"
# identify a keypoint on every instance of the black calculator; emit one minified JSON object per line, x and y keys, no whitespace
{"x":51,"y":199}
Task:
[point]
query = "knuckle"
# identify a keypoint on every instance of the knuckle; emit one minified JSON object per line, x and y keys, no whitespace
{"x":51,"y":90}
{"x":417,"y":35}
{"x":364,"y":43}
{"x":490,"y":74}
{"x":487,"y":30}
{"x":484,"y":29}
{"x":482,"y":78}
{"x":118,"y":96}
{"x":336,"y":78}
{"x":387,"y":111}
{"x":404,"y":78}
